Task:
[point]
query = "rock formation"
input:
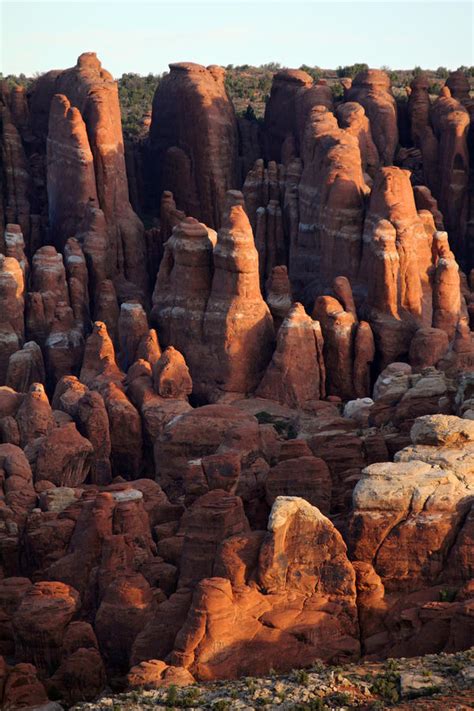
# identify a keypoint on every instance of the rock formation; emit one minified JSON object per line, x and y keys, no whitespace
{"x":351,"y":116}
{"x":372,"y":89}
{"x":227,"y":344}
{"x":191,"y":108}
{"x":349,"y":348}
{"x":451,"y":122}
{"x":425,"y":502}
{"x":237,"y":321}
{"x":86,"y":165}
{"x":12,"y":326}
{"x":265,"y":460}
{"x":70,"y":160}
{"x":292,"y":96}
{"x":278,"y":295}
{"x":419,"y":109}
{"x":410,"y":267}
{"x":182,"y":291}
{"x":16,"y":181}
{"x":296,"y":373}
{"x":328,"y":242}
{"x":307,"y":537}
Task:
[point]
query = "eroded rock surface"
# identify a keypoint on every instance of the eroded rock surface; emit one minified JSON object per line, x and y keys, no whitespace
{"x":240,"y":439}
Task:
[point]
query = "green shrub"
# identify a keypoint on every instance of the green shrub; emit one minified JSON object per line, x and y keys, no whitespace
{"x":313,"y":705}
{"x":434,"y":88}
{"x":338,"y":698}
{"x":447,"y":595}
{"x":387,"y":686}
{"x":250,"y":683}
{"x":271,"y":66}
{"x":453,"y":668}
{"x":314,"y":72}
{"x":221,"y":705}
{"x":190,"y":697}
{"x":136,"y":97}
{"x":301,"y":677}
{"x":171,"y":696}
{"x":351,"y":70}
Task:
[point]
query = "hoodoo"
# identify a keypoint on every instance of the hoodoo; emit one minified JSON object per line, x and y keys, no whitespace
{"x":237,"y":419}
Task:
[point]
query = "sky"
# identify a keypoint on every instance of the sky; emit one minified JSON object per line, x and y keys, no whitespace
{"x":143,"y":37}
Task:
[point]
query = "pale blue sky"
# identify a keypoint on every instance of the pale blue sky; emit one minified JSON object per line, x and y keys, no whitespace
{"x":144,"y":37}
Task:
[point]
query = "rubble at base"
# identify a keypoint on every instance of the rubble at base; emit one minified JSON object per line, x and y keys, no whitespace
{"x":435,"y":682}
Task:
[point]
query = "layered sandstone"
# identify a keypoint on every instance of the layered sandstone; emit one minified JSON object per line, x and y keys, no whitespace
{"x":407,"y":265}
{"x":12,"y":325}
{"x":70,"y":159}
{"x":149,"y":538}
{"x":227,"y":340}
{"x":191,"y":108}
{"x":297,"y":532}
{"x":293,"y":95}
{"x":372,"y":89}
{"x":328,"y":241}
{"x":296,"y":374}
{"x":451,"y":122}
{"x":85,"y":137}
{"x":237,"y":320}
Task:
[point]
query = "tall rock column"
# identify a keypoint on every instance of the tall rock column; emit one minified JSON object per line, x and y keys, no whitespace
{"x":397,"y":264}
{"x":351,"y":346}
{"x":293,"y":95}
{"x":194,"y":140}
{"x":280,"y":111}
{"x":352,"y":117}
{"x":12,"y":328}
{"x":238,"y":326}
{"x":451,"y":125}
{"x":14,"y":177}
{"x":372,"y":89}
{"x":93,"y":91}
{"x":446,"y":288}
{"x":182,"y":289}
{"x":331,"y":208}
{"x":70,"y":171}
{"x":419,"y":108}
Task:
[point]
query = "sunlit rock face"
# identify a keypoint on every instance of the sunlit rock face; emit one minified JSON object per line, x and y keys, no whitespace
{"x":242,"y":438}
